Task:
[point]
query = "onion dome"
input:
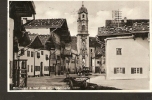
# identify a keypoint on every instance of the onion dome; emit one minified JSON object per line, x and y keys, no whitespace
{"x":83,"y":10}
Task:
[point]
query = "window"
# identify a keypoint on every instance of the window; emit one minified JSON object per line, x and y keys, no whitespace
{"x":46,"y":68}
{"x":22,"y":51}
{"x":31,"y":68}
{"x":136,"y":70}
{"x":31,"y":54}
{"x":119,"y":70}
{"x":41,"y":52}
{"x":98,"y":62}
{"x":28,"y":53}
{"x":27,"y":68}
{"x":37,"y":68}
{"x":46,"y":57}
{"x":118,"y":51}
{"x":38,"y":55}
{"x":91,"y":50}
{"x":83,"y":16}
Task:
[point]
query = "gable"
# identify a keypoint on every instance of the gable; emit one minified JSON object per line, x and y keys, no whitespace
{"x":36,"y":43}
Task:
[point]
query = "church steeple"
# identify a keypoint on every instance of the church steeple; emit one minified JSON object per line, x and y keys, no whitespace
{"x":83,"y":37}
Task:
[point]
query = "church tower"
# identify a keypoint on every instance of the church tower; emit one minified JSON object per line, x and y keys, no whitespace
{"x":83,"y":37}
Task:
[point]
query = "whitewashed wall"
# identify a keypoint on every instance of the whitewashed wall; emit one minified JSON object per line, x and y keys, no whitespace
{"x":30,"y":60}
{"x":10,"y":47}
{"x":135,"y":53}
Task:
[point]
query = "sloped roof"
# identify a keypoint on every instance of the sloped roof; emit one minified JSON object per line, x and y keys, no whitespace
{"x":45,"y":23}
{"x":58,"y":26}
{"x":24,"y":8}
{"x":129,"y":22}
{"x":35,"y":41}
{"x":32,"y":36}
{"x":44,"y":38}
{"x":142,"y":27}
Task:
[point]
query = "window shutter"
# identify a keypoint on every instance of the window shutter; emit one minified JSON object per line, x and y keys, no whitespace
{"x":38,"y":55}
{"x":28,"y":53}
{"x":140,"y":70}
{"x":31,"y":54}
{"x":132,"y":70}
{"x":28,"y":68}
{"x":115,"y":70}
{"x":46,"y":57}
{"x":123,"y":70}
{"x":41,"y":52}
{"x":22,"y":51}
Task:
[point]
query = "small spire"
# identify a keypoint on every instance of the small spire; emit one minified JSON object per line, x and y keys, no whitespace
{"x":82,"y":3}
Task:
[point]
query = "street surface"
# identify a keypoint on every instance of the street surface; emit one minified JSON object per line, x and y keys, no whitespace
{"x":99,"y":79}
{"x":46,"y":81}
{"x":132,"y":84}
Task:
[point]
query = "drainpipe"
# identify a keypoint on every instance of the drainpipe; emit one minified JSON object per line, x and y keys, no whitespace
{"x":34,"y":62}
{"x":49,"y":62}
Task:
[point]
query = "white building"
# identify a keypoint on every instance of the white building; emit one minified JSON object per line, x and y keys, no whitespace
{"x":127,"y":57}
{"x":35,"y":56}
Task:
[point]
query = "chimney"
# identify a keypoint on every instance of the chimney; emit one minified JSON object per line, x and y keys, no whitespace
{"x":24,"y":20}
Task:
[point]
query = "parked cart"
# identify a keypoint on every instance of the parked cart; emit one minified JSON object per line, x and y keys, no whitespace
{"x":80,"y":81}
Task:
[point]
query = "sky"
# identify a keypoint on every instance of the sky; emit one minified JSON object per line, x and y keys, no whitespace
{"x":98,"y":12}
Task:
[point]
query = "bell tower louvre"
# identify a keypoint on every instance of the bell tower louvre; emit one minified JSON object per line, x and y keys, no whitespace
{"x":83,"y":37}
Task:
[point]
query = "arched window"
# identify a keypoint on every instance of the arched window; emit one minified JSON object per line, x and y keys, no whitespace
{"x":83,"y":15}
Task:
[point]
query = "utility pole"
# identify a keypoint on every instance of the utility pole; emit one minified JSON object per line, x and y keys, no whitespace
{"x":116,"y":15}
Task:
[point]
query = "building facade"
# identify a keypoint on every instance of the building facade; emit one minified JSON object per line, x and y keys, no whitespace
{"x":127,"y":52}
{"x":127,"y":58}
{"x":57,"y":30}
{"x":95,"y":55}
{"x":36,"y":55}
